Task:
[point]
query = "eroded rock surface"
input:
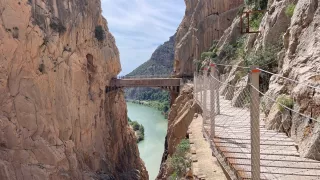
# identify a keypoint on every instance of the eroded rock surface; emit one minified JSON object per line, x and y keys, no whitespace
{"x":297,"y":38}
{"x":180,"y":116}
{"x":301,"y":62}
{"x":56,"y":121}
{"x":204,"y":22}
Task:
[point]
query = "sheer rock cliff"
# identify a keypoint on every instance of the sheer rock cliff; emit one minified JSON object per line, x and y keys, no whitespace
{"x":203,"y":23}
{"x":56,"y":121}
{"x":180,"y":117}
{"x":296,"y":57}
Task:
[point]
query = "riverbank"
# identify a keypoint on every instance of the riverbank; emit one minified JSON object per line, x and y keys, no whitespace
{"x":163,"y":107}
{"x":155,"y":130}
{"x":138,"y":129}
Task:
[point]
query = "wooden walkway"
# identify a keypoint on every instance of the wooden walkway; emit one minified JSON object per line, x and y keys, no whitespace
{"x":279,"y":156}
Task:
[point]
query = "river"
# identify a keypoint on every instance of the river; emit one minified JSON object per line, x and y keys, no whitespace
{"x":155,"y":127}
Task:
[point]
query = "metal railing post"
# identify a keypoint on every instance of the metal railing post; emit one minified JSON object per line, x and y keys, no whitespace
{"x":201,"y":89}
{"x":205,"y":95}
{"x":255,"y":124}
{"x":217,"y":87}
{"x":213,"y":84}
{"x":195,"y":86}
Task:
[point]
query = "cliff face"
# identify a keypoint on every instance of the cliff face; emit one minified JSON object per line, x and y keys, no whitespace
{"x":180,"y":117}
{"x":204,"y":22}
{"x":300,"y":61}
{"x":296,"y":36}
{"x":56,"y":121}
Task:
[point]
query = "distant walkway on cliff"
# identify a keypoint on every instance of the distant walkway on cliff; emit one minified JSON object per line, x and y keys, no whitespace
{"x":241,"y":137}
{"x":165,"y":82}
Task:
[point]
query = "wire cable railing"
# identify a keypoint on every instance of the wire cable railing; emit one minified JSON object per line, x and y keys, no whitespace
{"x":254,"y":145}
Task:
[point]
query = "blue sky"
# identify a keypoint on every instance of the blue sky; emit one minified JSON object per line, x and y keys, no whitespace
{"x":140,"y":26}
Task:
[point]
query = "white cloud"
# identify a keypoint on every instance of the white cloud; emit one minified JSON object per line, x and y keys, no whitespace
{"x":140,"y":26}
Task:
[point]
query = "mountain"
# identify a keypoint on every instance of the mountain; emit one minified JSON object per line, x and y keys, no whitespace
{"x":161,"y":61}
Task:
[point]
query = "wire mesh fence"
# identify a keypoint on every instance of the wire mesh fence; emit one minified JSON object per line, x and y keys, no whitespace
{"x":249,"y":126}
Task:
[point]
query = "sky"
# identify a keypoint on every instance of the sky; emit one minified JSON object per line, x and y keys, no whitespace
{"x":140,"y":26}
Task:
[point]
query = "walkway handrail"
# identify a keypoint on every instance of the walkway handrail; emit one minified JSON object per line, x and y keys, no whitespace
{"x":212,"y":94}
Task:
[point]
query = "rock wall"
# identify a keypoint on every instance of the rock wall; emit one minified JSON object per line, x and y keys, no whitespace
{"x":204,"y":22}
{"x":300,"y":62}
{"x":297,"y":59}
{"x":180,"y":116}
{"x":56,"y":121}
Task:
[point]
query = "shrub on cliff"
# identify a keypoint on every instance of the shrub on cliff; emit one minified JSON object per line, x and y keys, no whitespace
{"x":138,"y":128}
{"x":284,"y":101}
{"x":262,"y":5}
{"x":179,"y":161}
{"x":99,"y":33}
{"x":205,"y":55}
{"x":135,"y":125}
{"x":290,"y":10}
{"x":265,"y":58}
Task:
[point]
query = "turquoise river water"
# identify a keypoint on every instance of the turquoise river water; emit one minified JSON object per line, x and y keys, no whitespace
{"x":155,"y":127}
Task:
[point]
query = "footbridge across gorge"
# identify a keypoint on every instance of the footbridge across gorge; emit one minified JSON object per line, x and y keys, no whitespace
{"x":167,"y":83}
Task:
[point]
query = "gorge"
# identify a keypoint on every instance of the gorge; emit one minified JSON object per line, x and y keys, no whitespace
{"x":61,"y":116}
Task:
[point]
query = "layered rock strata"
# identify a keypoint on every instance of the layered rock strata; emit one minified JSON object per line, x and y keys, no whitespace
{"x":180,"y":116}
{"x":56,"y":121}
{"x":203,"y":23}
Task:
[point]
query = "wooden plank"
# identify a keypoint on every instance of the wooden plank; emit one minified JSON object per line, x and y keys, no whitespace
{"x":279,"y":156}
{"x":264,"y":176}
{"x":278,"y":147}
{"x":244,"y":141}
{"x":281,"y":170}
{"x":247,"y":133}
{"x":239,"y":137}
{"x":269,"y":157}
{"x":262,"y":151}
{"x":278,"y":163}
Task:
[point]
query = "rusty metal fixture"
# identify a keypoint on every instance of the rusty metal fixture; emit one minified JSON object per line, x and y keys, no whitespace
{"x":247,"y":26}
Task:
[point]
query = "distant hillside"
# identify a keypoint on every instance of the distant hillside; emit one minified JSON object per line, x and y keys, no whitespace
{"x":160,"y":63}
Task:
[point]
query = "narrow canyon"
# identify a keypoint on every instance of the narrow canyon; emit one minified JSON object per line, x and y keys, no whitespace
{"x":61,"y":118}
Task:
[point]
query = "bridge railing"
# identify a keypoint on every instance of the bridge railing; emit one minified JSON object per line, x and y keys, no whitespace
{"x":145,"y":76}
{"x":238,"y":111}
{"x":152,"y":77}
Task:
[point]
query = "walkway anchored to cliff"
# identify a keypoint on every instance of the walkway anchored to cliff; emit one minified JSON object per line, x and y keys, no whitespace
{"x":164,"y":82}
{"x":239,"y":134}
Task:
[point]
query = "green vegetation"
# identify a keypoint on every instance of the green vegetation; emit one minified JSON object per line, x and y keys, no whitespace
{"x":205,"y":55}
{"x":290,"y":10}
{"x":265,"y":58}
{"x":99,"y":33}
{"x":160,"y":63}
{"x":138,"y":128}
{"x":163,"y":106}
{"x":230,"y":51}
{"x":256,"y":19}
{"x":179,"y":161}
{"x":284,"y":100}
{"x":262,"y":5}
{"x":155,"y":98}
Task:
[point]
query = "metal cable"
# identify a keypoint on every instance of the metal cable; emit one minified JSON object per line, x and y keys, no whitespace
{"x":315,"y":87}
{"x":284,"y":105}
